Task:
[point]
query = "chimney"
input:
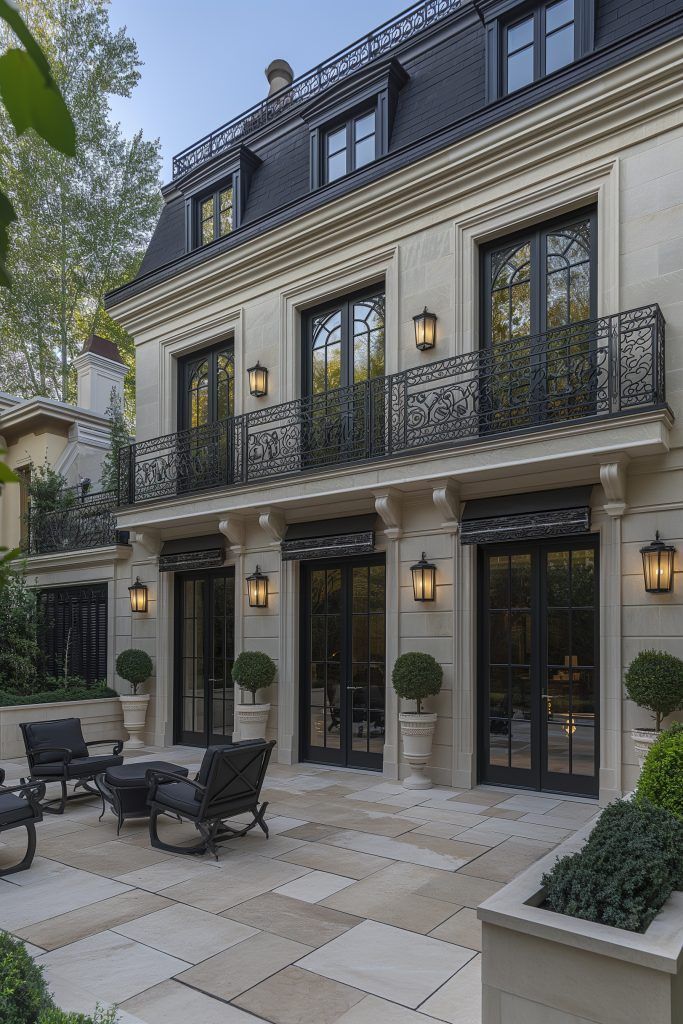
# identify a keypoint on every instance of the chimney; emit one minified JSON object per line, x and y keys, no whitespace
{"x":99,"y":368}
{"x":279,"y":74}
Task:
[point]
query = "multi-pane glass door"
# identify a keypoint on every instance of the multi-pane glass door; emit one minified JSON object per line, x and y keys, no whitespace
{"x":205,"y":636}
{"x":206,"y":403}
{"x":343,"y":663}
{"x":345,"y":351}
{"x":539,"y":364}
{"x":539,"y":687}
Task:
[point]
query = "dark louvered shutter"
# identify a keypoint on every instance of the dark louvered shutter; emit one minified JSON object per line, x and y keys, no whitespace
{"x":74,"y":631}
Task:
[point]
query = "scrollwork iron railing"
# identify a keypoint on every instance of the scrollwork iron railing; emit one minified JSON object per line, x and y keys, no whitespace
{"x":90,"y":522}
{"x":376,"y":44}
{"x":590,"y":370}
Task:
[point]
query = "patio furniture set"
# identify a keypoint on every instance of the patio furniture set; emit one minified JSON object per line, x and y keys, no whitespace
{"x":228,"y":784}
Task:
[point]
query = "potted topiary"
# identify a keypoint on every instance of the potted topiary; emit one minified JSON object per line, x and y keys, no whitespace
{"x":661,"y":780}
{"x":135,"y":666}
{"x":253,"y":671}
{"x":654,"y":680}
{"x":415,"y":677}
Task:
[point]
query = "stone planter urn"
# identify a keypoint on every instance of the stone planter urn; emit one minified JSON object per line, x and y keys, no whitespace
{"x":134,"y":707}
{"x":253,"y":720}
{"x":417,"y":732}
{"x":135,"y":666}
{"x":253,"y":671}
{"x":642,"y":741}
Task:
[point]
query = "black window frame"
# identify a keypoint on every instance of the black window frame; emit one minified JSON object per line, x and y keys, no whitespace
{"x":214,"y":194}
{"x":83,"y":608}
{"x":345,"y":303}
{"x":185,"y":362}
{"x":348,"y":125}
{"x":501,"y":15}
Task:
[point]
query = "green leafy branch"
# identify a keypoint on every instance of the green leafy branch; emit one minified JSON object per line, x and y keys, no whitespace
{"x":33,"y":100}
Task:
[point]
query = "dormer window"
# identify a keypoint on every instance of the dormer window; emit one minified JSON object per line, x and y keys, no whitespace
{"x":539,"y":44}
{"x":351,"y":127}
{"x":525,"y":42}
{"x":215,"y":215}
{"x":350,"y":146}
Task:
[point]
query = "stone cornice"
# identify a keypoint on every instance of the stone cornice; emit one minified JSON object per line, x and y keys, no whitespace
{"x":636,"y":92}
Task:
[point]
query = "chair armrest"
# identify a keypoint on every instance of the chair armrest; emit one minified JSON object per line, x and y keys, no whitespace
{"x":66,"y":753}
{"x":33,"y":790}
{"x":117,"y":744}
{"x":154,"y":776}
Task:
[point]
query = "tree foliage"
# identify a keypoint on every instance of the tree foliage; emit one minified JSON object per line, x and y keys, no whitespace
{"x":416,"y":676}
{"x":134,"y":665}
{"x":253,"y":671}
{"x":120,"y":437}
{"x":654,"y":680}
{"x":19,"y":649}
{"x":82,"y":223}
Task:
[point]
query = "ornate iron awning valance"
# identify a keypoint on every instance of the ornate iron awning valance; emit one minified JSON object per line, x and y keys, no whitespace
{"x":527,"y":516}
{"x":189,"y":553}
{"x":331,"y":538}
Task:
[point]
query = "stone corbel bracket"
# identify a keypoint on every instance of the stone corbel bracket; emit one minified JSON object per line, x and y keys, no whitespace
{"x":389,"y":508}
{"x":233,"y":530}
{"x":446,"y":497}
{"x":150,"y":540}
{"x":613,"y":480}
{"x":272,"y":521}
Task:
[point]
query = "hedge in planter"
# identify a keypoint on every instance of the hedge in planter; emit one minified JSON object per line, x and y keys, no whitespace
{"x":97,"y":691}
{"x":654,"y":680}
{"x":135,"y":666}
{"x":626,"y":871}
{"x":661,"y":780}
{"x":416,"y":676}
{"x":253,"y":671}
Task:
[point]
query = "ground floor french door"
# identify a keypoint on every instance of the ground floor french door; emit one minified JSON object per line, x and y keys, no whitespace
{"x":204,"y":654}
{"x":539,"y":666}
{"x":343,"y":662}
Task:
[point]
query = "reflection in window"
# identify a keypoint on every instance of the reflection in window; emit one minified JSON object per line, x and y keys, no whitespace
{"x":326,"y":357}
{"x":368,"y":339}
{"x":559,"y":35}
{"x":568,"y":275}
{"x":215,"y":214}
{"x":511,"y":293}
{"x":198,"y":394}
{"x":350,"y":146}
{"x":520,"y":54}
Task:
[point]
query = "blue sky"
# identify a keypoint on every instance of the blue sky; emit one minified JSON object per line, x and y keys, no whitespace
{"x":204,"y":59}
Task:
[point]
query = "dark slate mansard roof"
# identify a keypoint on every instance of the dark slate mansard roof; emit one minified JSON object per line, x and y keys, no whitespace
{"x":443,"y":100}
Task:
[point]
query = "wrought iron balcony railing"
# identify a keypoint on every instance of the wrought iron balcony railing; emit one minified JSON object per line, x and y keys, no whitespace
{"x":376,"y":44}
{"x":591,"y":370}
{"x":90,"y":522}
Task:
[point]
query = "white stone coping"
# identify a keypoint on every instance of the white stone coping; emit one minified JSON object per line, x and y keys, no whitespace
{"x":97,"y":701}
{"x":516,"y":907}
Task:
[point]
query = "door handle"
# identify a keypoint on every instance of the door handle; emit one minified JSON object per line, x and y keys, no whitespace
{"x":349,"y":687}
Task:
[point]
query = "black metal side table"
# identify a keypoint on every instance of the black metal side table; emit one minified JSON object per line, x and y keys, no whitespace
{"x":124,"y":788}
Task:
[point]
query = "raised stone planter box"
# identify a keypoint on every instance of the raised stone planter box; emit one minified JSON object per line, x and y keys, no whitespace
{"x":539,"y":967}
{"x":102,"y":720}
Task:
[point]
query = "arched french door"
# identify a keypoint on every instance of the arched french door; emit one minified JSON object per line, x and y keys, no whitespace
{"x":206,"y":405}
{"x":539,"y":359}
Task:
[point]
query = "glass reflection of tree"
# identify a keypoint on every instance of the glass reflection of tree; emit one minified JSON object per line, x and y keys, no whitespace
{"x":568,"y":360}
{"x":508,"y":384}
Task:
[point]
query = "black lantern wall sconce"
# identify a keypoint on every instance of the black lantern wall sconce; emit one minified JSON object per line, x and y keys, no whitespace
{"x":425,"y":330}
{"x":658,"y":566}
{"x":258,"y":380}
{"x":424,"y":580}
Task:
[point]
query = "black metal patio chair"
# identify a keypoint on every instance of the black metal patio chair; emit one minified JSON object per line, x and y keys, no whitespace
{"x":228,"y":783}
{"x":57,"y":752}
{"x":20,"y":808}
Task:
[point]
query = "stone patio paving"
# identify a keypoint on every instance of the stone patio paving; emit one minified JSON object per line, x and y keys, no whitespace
{"x":359,"y":909}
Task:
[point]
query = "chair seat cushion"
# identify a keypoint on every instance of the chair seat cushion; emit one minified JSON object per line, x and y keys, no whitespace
{"x":179,"y":796}
{"x":80,"y":767}
{"x":133,"y":776}
{"x":14,"y":809}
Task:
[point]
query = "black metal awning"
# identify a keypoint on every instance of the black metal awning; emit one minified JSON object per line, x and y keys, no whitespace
{"x":329,"y":538}
{"x":558,"y":513}
{"x":187,"y":553}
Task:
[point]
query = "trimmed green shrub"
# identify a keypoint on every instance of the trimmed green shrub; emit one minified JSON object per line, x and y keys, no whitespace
{"x":416,"y":676}
{"x":661,"y":780}
{"x":253,"y":671}
{"x":135,"y":666}
{"x":10,"y":699}
{"x":24,"y":995}
{"x":100,"y":1016}
{"x":625,"y":873}
{"x":654,"y":680}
